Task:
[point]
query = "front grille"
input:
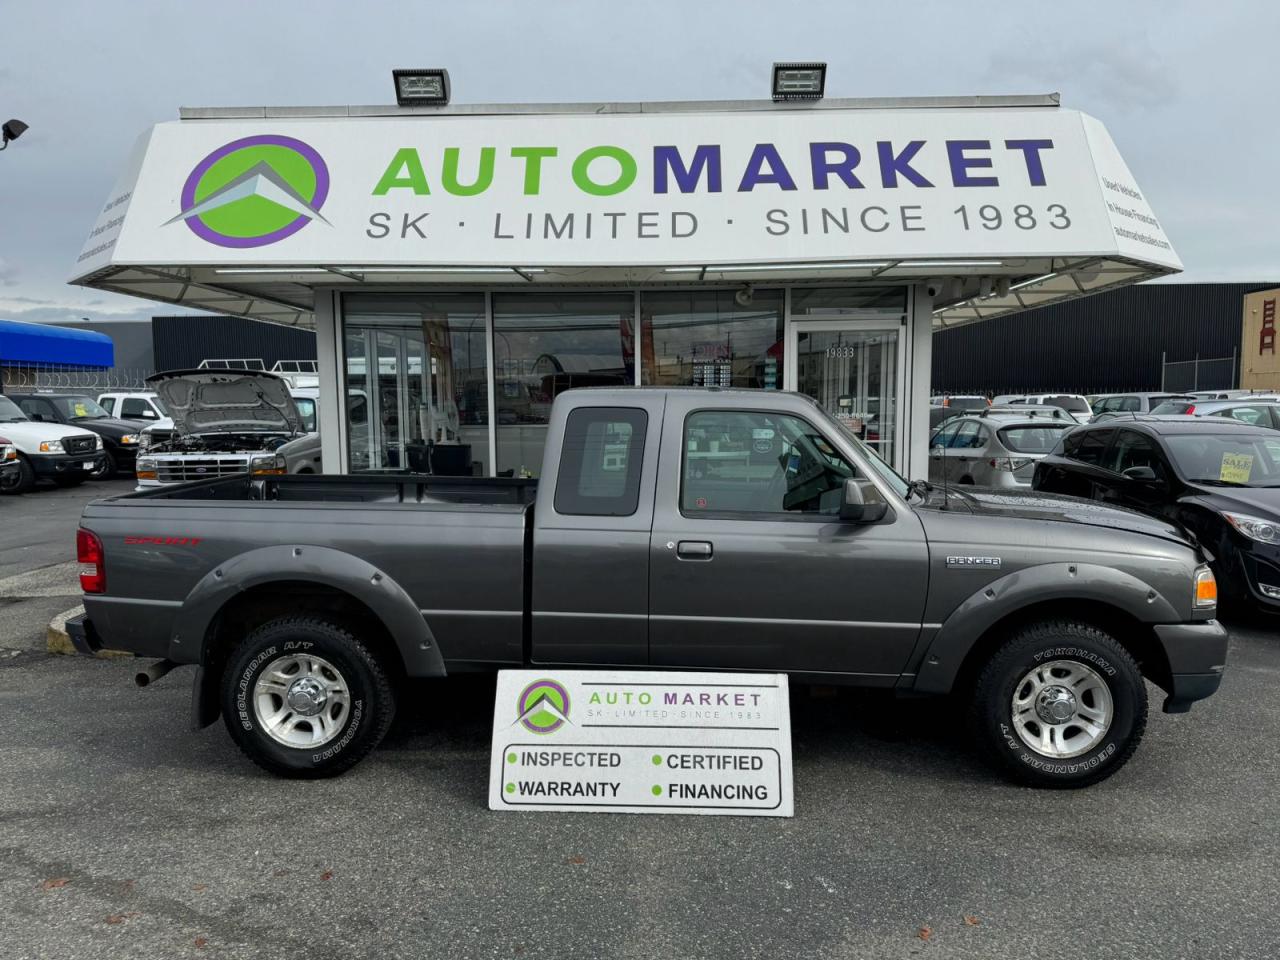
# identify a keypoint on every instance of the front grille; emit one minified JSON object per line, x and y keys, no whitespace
{"x":78,"y":444}
{"x":199,"y":468}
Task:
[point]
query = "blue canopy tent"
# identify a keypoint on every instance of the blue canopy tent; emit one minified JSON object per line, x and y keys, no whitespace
{"x":40,"y":344}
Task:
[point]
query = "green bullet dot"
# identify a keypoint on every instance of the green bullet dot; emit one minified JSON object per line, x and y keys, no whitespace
{"x":657,"y":760}
{"x":657,"y":790}
{"x":511,"y":788}
{"x":511,"y":758}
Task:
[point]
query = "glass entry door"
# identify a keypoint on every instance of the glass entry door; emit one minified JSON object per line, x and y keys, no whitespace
{"x":852,"y":370}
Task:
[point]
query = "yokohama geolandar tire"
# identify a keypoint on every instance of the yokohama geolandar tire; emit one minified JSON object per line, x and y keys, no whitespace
{"x":305,"y":698}
{"x":1060,"y":704}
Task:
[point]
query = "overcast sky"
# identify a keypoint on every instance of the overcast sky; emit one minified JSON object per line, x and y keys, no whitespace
{"x":1188,"y":90}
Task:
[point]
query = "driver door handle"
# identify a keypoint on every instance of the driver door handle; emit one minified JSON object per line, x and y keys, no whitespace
{"x":693,"y":550}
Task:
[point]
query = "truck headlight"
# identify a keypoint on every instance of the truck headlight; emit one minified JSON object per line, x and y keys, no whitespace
{"x":144,"y":441}
{"x":1206,"y":594}
{"x":129,"y":439}
{"x":267,"y":465}
{"x":1255,"y":528}
{"x":97,"y":441}
{"x":51,"y":446}
{"x":8,"y":453}
{"x":146,"y":468}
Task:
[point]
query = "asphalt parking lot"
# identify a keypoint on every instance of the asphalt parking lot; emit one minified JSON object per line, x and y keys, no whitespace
{"x":124,"y":834}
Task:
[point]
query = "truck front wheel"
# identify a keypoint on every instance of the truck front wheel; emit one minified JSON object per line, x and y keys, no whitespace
{"x":1060,"y":704}
{"x":305,"y":698}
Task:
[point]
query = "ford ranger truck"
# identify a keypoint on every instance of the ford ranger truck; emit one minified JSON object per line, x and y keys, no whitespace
{"x":671,"y":529}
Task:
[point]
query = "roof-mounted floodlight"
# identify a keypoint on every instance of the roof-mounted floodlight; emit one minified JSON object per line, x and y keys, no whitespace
{"x":421,"y":88}
{"x":799,"y":81}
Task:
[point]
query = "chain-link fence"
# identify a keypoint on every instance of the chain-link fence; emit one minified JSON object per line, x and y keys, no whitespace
{"x":1215,"y":373}
{"x":48,"y":376}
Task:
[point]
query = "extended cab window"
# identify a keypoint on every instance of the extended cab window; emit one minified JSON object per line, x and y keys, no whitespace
{"x":740,"y":461}
{"x":600,"y":462}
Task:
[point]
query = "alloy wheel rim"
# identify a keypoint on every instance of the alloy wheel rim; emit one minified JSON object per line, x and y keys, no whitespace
{"x":1062,"y":709}
{"x":301,"y":701}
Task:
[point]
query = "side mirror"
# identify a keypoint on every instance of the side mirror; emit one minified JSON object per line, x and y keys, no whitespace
{"x":149,"y":414}
{"x":854,"y":509}
{"x":1142,"y":474}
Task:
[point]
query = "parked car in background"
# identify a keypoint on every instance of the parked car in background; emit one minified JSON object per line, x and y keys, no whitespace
{"x":998,"y":447}
{"x":8,"y":462}
{"x":1217,"y":478}
{"x":119,"y":437}
{"x":1112,"y":403}
{"x":134,"y":405}
{"x":959,"y":400}
{"x":224,"y":422}
{"x":65,"y":455}
{"x":1255,"y":412}
{"x":1073,"y":403}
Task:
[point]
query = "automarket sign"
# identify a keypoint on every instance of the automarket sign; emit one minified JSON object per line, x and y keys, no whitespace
{"x":643,"y":189}
{"x":642,"y":742}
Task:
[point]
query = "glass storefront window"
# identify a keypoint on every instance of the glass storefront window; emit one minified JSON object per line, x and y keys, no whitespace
{"x":544,"y":344}
{"x":705,"y":338}
{"x":417,"y":383}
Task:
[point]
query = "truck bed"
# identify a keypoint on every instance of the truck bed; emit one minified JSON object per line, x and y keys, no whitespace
{"x":456,"y":545}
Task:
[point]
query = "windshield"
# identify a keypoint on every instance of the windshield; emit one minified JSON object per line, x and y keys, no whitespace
{"x":1226,"y":460}
{"x":78,"y":408}
{"x":885,"y":472}
{"x":9,"y":412}
{"x":1031,"y":439}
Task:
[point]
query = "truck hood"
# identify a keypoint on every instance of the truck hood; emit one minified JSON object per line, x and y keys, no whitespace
{"x":1034,"y":505}
{"x":227,"y":401}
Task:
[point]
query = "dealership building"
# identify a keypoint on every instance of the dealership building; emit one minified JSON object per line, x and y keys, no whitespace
{"x":461,"y":265}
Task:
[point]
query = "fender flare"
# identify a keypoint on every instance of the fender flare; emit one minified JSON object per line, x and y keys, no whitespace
{"x":323,"y":566}
{"x":1051,"y":581}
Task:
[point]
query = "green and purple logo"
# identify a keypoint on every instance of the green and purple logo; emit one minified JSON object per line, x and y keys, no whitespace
{"x":543,"y":707}
{"x":255,"y":191}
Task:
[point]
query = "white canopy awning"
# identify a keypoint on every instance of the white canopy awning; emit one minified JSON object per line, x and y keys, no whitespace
{"x":999,"y":204}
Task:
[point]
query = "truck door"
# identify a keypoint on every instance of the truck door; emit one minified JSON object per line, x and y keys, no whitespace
{"x":750,"y":567}
{"x":590,"y":556}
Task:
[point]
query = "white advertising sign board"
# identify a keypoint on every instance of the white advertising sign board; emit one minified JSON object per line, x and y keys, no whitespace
{"x":629,"y":190}
{"x":642,"y":742}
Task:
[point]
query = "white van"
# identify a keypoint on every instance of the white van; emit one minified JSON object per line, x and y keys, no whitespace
{"x":53,"y":451}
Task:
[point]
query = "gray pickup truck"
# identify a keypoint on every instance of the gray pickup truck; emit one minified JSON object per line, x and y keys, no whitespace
{"x":673,"y":528}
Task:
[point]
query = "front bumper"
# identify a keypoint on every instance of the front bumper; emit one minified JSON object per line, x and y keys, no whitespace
{"x":62,"y":464}
{"x":1197,"y":655}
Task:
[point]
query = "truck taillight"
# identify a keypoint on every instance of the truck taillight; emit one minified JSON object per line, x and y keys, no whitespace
{"x":93,"y":577}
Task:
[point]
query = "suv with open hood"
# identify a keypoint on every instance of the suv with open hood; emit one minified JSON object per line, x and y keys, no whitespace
{"x":224,"y":422}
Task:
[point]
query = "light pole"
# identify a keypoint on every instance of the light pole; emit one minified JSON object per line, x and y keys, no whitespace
{"x":11,"y":131}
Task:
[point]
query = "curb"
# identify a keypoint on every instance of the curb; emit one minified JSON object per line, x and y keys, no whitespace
{"x":58,"y":641}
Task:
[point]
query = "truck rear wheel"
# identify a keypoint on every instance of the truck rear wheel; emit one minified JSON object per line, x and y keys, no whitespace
{"x":305,"y":698}
{"x":1061,"y":704}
